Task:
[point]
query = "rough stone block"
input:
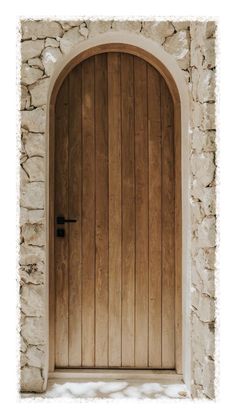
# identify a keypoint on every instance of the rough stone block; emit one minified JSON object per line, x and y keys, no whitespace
{"x":35,"y":168}
{"x":35,"y":356}
{"x":178,"y":46}
{"x":35,"y":120}
{"x":31,"y":379}
{"x":32,"y":300}
{"x":40,"y":29}
{"x":31,"y":49}
{"x":50,"y":57}
{"x":209,"y":378}
{"x":34,"y":234}
{"x":31,"y":255}
{"x":29,"y":74}
{"x":70,"y":40}
{"x":207,"y":232}
{"x":32,"y":195}
{"x":33,"y":330}
{"x":39,"y":92}
{"x":35,"y":144}
{"x":158,"y":31}
{"x":203,"y":167}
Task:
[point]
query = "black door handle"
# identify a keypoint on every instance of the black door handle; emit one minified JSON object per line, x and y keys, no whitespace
{"x":62,"y":220}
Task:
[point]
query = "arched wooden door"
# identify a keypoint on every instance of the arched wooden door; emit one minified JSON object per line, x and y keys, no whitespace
{"x":115,"y":175}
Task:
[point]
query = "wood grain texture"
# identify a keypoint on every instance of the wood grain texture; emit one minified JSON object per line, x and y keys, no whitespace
{"x":88,"y":214}
{"x":120,"y":178}
{"x":61,"y":244}
{"x":101,"y":274}
{"x":114,"y":138}
{"x":155,"y":211}
{"x":141,"y":242}
{"x":128,"y":209}
{"x":75,"y":212}
{"x":168,"y":231}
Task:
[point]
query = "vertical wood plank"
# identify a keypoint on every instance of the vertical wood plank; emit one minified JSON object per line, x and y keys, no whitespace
{"x":101,"y":122}
{"x":128,"y":210}
{"x":154,"y":139}
{"x":61,"y":244}
{"x":88,"y":213}
{"x":75,"y":212}
{"x":141,"y":172}
{"x":168,"y":230}
{"x":114,"y":129}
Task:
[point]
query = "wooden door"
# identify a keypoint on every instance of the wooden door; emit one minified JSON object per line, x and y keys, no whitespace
{"x":115,"y":175}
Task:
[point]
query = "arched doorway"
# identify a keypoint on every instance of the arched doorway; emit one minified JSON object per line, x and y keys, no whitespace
{"x":116,"y":288}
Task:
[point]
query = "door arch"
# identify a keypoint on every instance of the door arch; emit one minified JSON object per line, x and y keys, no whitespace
{"x":160,"y":68}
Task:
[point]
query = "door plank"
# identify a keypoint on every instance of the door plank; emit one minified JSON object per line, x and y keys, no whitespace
{"x":168,"y":230}
{"x":88,"y":213}
{"x":128,"y":210}
{"x":141,"y":173}
{"x":154,"y":139}
{"x":101,"y":314}
{"x":114,"y":129}
{"x":75,"y":212}
{"x":61,"y":244}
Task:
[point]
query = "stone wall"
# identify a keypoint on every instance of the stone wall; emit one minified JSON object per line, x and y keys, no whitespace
{"x":192,"y":44}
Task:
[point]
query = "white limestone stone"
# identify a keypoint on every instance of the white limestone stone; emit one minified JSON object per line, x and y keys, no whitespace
{"x":83,"y":30}
{"x":70,"y":40}
{"x":203,"y":167}
{"x":40,"y":29}
{"x":95,"y":27}
{"x":33,"y":330}
{"x":206,"y":308}
{"x":178,"y":46}
{"x":208,"y":116}
{"x":35,"y":357}
{"x":34,"y":234}
{"x":208,"y":378}
{"x":39,"y":92}
{"x":30,"y":276}
{"x":127,"y":25}
{"x":32,"y":195}
{"x":51,"y":42}
{"x":203,"y":141}
{"x":35,"y":168}
{"x":31,"y":49}
{"x":34,"y":120}
{"x":35,"y":144}
{"x":208,"y":51}
{"x":30,"y":255}
{"x":25,"y":98}
{"x":181,"y":25}
{"x":50,"y":57}
{"x":36,"y":62}
{"x":206,"y":86}
{"x":209,"y":200}
{"x":203,"y":85}
{"x":207,"y":232}
{"x":23,"y":346}
{"x":195,"y":297}
{"x":31,"y":379}
{"x":32,"y":300}
{"x":29,"y":74}
{"x":205,"y":259}
{"x":158,"y":31}
{"x":209,"y":283}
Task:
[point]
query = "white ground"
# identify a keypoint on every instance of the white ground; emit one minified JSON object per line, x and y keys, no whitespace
{"x":117,"y":389}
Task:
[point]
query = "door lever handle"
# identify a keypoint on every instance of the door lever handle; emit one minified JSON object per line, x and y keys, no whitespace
{"x":63,"y":220}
